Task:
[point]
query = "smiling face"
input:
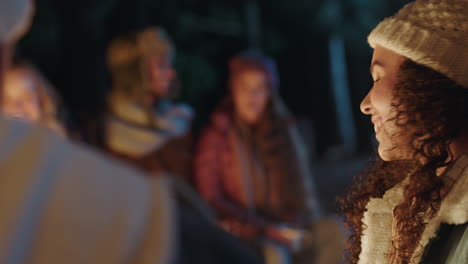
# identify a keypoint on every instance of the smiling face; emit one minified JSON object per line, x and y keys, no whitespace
{"x":20,"y":96}
{"x":393,"y":145}
{"x":250,"y":93}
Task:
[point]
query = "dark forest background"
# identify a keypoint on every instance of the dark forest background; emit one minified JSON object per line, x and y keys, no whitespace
{"x":69,"y":38}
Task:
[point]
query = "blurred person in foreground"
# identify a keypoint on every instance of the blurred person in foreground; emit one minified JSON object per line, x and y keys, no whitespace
{"x":61,"y":203}
{"x":411,"y":205}
{"x":250,"y":164}
{"x":28,"y":96}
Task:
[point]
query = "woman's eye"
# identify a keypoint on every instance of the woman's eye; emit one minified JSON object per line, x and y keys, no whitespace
{"x":377,"y":79}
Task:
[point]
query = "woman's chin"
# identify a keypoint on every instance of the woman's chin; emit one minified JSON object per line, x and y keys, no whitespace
{"x":386,"y":154}
{"x":393,"y":154}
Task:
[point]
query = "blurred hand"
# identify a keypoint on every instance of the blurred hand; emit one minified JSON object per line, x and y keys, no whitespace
{"x":181,"y":111}
{"x":180,"y":120}
{"x":288,"y":236}
{"x":246,"y":231}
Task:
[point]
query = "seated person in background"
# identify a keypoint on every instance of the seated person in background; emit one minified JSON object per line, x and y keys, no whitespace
{"x":250,"y":165}
{"x":144,"y":127}
{"x":28,"y":96}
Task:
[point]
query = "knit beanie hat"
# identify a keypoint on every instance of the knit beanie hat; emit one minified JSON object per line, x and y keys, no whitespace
{"x":152,"y":41}
{"x":433,"y":33}
{"x":252,"y":60}
{"x":15,"y":19}
{"x":126,"y":58}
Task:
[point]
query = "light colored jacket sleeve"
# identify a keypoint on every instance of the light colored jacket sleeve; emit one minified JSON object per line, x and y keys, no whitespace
{"x":60,"y":203}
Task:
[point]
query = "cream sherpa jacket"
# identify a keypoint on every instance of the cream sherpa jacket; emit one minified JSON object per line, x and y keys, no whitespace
{"x":377,"y":235}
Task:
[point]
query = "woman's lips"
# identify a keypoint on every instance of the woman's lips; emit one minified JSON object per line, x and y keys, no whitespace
{"x":375,"y":120}
{"x":377,"y":123}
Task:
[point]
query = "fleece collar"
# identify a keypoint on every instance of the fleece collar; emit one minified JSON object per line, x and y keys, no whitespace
{"x":378,"y":219}
{"x":131,"y":131}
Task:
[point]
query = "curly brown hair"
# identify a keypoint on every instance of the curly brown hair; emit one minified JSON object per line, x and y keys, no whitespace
{"x":433,"y":111}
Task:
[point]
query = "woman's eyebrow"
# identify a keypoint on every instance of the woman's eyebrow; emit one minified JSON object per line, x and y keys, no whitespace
{"x":375,"y":63}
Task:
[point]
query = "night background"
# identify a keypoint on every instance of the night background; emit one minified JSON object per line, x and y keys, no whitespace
{"x":320,"y":47}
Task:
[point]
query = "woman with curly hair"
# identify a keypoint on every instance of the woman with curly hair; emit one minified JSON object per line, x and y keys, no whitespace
{"x":250,"y":165}
{"x":411,"y":204}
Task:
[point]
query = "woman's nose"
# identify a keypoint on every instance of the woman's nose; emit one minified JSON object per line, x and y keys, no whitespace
{"x":366,"y":105}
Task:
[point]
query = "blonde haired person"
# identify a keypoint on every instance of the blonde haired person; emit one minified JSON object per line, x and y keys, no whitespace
{"x":144,"y":126}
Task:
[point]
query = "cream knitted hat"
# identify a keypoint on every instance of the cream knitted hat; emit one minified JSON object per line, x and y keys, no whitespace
{"x":15,"y":19}
{"x":433,"y":33}
{"x":129,"y":47}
